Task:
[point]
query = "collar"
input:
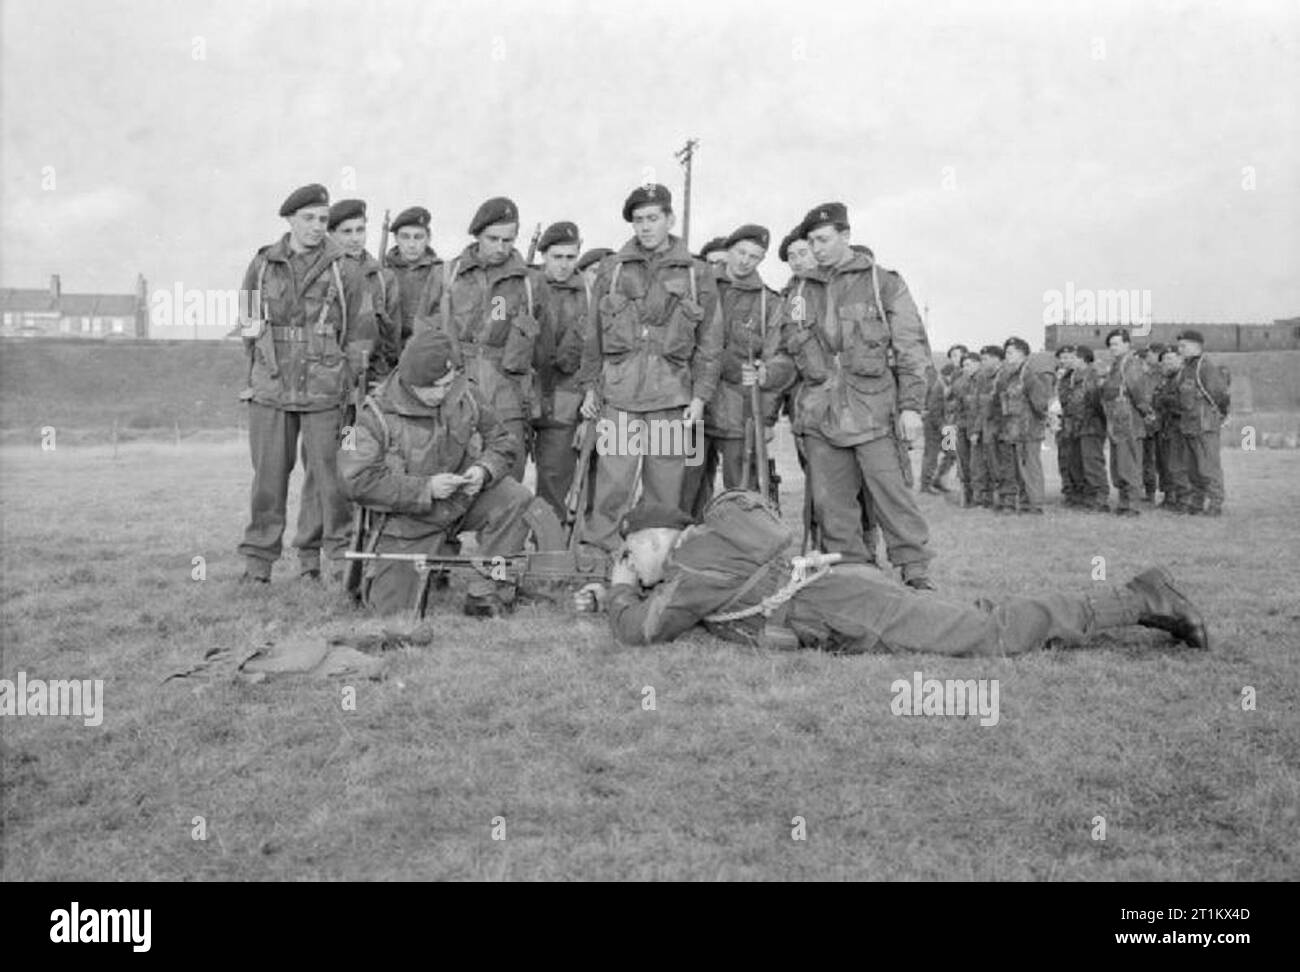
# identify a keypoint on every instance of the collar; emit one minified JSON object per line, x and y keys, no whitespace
{"x":676,"y":255}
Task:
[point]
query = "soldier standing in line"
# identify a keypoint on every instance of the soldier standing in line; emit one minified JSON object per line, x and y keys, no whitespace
{"x":381,"y":301}
{"x":412,"y":261}
{"x":651,"y":358}
{"x":751,"y":332}
{"x":492,"y":306}
{"x":982,"y":407}
{"x":1127,"y":401}
{"x":861,"y":350}
{"x":962,"y":420}
{"x":1069,"y":392}
{"x":1022,"y":399}
{"x":1169,"y":436}
{"x":301,"y":342}
{"x":559,"y":357}
{"x":1091,"y":424}
{"x":1153,"y":471}
{"x":1203,"y":403}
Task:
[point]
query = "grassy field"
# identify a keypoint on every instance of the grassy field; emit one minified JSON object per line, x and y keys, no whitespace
{"x":539,"y":719}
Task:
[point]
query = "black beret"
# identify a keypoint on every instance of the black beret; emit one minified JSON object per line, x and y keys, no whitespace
{"x":713,"y":246}
{"x":1190,"y":336}
{"x":831,"y":212}
{"x":346,"y":209}
{"x":992,"y":350}
{"x":750,"y":231}
{"x":593,"y":256}
{"x":427,"y":357}
{"x":1156,"y":346}
{"x":312,"y":195}
{"x":1085,"y":353}
{"x":1015,"y":342}
{"x":783,"y":251}
{"x":645,"y":196}
{"x":498,"y":209}
{"x":648,"y":516}
{"x":415,"y":216}
{"x":558,"y":233}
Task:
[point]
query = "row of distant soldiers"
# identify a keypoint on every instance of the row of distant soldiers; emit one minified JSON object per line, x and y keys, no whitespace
{"x":1160,"y":410}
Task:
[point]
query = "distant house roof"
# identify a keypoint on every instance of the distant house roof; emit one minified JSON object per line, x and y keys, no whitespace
{"x":31,"y":301}
{"x":20,"y":300}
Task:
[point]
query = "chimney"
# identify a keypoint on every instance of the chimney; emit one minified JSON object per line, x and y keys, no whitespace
{"x":56,"y":288}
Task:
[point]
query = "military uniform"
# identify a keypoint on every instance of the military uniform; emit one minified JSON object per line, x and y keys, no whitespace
{"x":1169,"y":440}
{"x":562,"y":336}
{"x":1203,"y":403}
{"x":1127,"y":404}
{"x":751,"y":331}
{"x":734,"y":562}
{"x":981,"y":408}
{"x":1091,"y":423}
{"x":300,"y":374}
{"x":653,"y":343}
{"x":413,"y":277}
{"x":400,"y":444}
{"x":858,"y":371}
{"x":495,"y":315}
{"x":959,"y":418}
{"x":1069,"y":458}
{"x":1154,"y":475}
{"x":934,"y":419}
{"x":1022,"y":398}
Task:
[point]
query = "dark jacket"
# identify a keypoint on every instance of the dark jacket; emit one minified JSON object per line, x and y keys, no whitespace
{"x":559,"y":352}
{"x":1126,"y":397}
{"x":1022,"y":399}
{"x":299,"y":363}
{"x":746,"y":333}
{"x":412,"y":279}
{"x":494,"y":324}
{"x":1203,"y":399}
{"x":381,"y":312}
{"x":659,"y":335}
{"x":854,"y":379}
{"x":400,"y":443}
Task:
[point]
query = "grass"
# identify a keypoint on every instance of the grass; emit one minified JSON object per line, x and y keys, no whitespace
{"x":539,"y":718}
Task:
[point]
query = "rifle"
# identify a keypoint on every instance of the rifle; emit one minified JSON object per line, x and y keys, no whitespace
{"x":532,"y":244}
{"x":534,"y":571}
{"x":383,"y":242}
{"x":584,"y":441}
{"x":903,"y":449}
{"x":352,"y":574}
{"x":761,"y":460}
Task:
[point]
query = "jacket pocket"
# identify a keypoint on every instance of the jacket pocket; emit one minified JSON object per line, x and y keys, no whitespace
{"x":866,"y":349}
{"x":618,"y":324}
{"x":809,"y":355}
{"x":680,"y":331}
{"x":517,"y":357}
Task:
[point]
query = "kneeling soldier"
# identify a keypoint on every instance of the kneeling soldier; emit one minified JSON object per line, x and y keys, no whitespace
{"x":729,"y":573}
{"x":434,"y":458}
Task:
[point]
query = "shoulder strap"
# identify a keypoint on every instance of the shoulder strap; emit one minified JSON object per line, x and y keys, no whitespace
{"x":762,"y":314}
{"x":261,"y":283}
{"x":343,"y":303}
{"x":613,"y":277}
{"x":694,"y":296}
{"x":528,"y":291}
{"x":379,"y":416}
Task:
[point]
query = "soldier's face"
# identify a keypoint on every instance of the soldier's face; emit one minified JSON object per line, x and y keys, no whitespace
{"x":412,"y":241}
{"x":1188,"y":349}
{"x":743,"y":258}
{"x":351,"y":235}
{"x":651,"y":226}
{"x":716,"y":258}
{"x":1068,"y":361}
{"x":1170,"y":362}
{"x":989,"y":363}
{"x":1117,"y":345}
{"x":432,"y":395}
{"x":955,"y":356}
{"x":560,"y":260}
{"x":496,"y":243}
{"x":829,"y":245}
{"x":309,"y":225}
{"x":648,"y":550}
{"x":1013,"y":355}
{"x":970,"y":366}
{"x":801,"y":257}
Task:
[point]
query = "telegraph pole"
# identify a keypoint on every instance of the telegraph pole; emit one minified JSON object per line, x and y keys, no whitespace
{"x":684,"y":156}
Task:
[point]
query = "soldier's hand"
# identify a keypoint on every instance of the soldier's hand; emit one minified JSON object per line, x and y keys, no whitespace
{"x":694,"y":411}
{"x":589,"y":409}
{"x":590,"y":599}
{"x":444,"y":484}
{"x":909,"y":425}
{"x":474,"y":478}
{"x":751,"y":374}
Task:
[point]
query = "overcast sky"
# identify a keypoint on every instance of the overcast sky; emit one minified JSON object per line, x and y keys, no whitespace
{"x":990,"y":152}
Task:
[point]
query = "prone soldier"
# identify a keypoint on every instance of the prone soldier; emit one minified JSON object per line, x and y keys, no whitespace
{"x":730,"y":574}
